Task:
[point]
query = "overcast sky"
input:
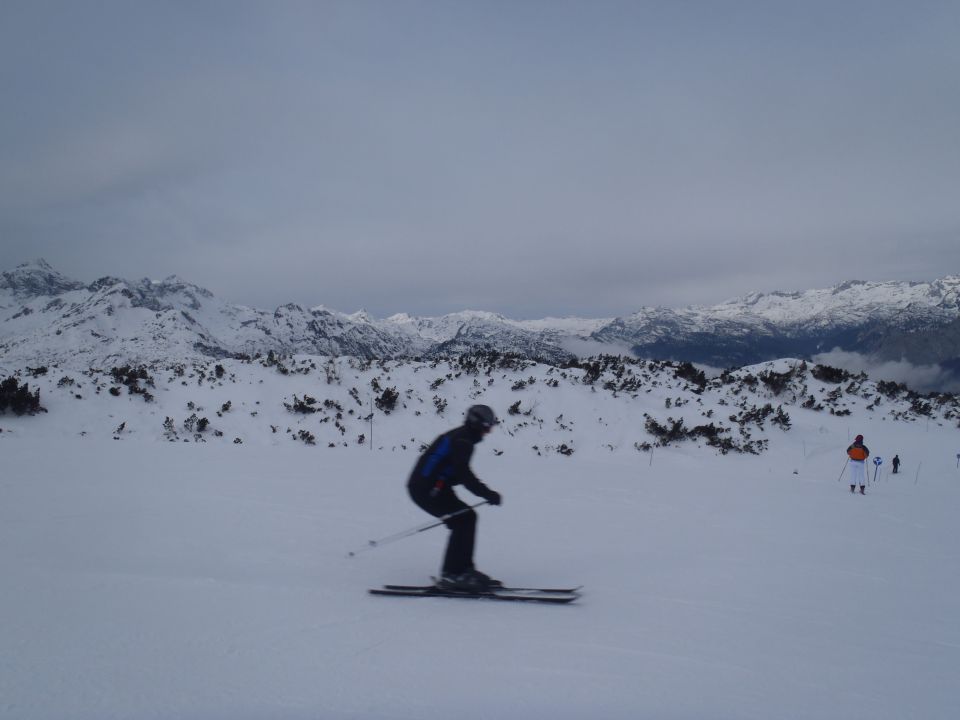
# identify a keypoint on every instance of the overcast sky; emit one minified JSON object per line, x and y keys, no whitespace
{"x":531,"y":158}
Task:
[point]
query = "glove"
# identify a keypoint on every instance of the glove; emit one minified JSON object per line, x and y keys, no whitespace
{"x":494,"y":498}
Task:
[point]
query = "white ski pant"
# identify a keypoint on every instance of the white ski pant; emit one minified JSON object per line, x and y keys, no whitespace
{"x":858,"y":472}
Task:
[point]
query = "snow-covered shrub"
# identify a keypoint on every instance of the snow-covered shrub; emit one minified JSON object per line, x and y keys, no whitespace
{"x":18,"y":398}
{"x":777,"y":382}
{"x":306,"y":406}
{"x":891,"y":389}
{"x":781,"y":419}
{"x":387,"y":401}
{"x":131,"y":377}
{"x":686,"y":371}
{"x":825,"y":373}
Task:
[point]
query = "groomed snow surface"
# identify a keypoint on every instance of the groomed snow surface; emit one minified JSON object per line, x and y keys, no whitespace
{"x":171,"y":580}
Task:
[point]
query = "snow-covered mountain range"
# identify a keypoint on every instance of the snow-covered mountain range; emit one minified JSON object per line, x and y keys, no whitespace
{"x":47,"y":317}
{"x":918,"y":322}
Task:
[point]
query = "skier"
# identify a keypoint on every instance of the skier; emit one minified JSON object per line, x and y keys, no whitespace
{"x":444,"y":464}
{"x":858,"y":454}
{"x":896,"y":464}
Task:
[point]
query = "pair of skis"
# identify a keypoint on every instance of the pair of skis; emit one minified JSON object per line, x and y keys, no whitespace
{"x":556,"y":596}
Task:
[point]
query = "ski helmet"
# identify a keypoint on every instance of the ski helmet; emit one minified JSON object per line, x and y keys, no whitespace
{"x":481,"y":417}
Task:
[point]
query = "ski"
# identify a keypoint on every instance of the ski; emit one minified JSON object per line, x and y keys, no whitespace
{"x":506,"y":588}
{"x":503,"y":595}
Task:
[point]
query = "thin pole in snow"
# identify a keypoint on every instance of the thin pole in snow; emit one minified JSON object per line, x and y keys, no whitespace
{"x":373,"y":544}
{"x":917,"y":479}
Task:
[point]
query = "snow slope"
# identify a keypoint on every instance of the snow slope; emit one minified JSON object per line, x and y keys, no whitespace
{"x":154,"y":579}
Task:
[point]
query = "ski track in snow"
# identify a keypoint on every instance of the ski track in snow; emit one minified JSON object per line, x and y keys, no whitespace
{"x":198,"y":593}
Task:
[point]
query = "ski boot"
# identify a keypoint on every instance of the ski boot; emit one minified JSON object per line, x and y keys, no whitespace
{"x":491,"y":583}
{"x":462,"y":582}
{"x":468,"y":581}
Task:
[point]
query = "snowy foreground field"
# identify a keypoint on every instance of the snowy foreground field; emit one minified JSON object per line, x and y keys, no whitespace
{"x":171,"y":580}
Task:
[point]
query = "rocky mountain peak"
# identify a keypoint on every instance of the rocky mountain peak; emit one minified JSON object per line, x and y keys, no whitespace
{"x":36,"y":279}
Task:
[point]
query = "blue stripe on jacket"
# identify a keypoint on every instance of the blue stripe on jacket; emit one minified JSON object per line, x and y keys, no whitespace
{"x":443,"y":449}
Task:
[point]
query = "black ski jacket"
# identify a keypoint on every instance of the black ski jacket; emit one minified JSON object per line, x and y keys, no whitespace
{"x":447,"y":463}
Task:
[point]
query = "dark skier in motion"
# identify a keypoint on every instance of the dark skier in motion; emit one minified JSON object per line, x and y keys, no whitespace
{"x":443,"y":465}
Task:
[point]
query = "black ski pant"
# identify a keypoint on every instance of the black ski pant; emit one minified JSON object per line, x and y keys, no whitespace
{"x":463,"y":527}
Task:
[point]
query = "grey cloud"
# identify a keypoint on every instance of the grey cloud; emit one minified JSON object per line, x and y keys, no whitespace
{"x":530,"y":158}
{"x":920,"y":378}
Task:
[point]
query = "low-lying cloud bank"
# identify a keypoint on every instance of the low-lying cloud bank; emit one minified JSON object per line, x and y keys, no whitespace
{"x":920,"y":378}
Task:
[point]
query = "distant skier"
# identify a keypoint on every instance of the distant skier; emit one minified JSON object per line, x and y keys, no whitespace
{"x":858,"y":454}
{"x":444,"y":464}
{"x":896,"y":464}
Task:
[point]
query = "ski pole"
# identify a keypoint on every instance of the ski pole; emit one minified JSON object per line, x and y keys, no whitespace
{"x":844,"y":469}
{"x":372,"y":544}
